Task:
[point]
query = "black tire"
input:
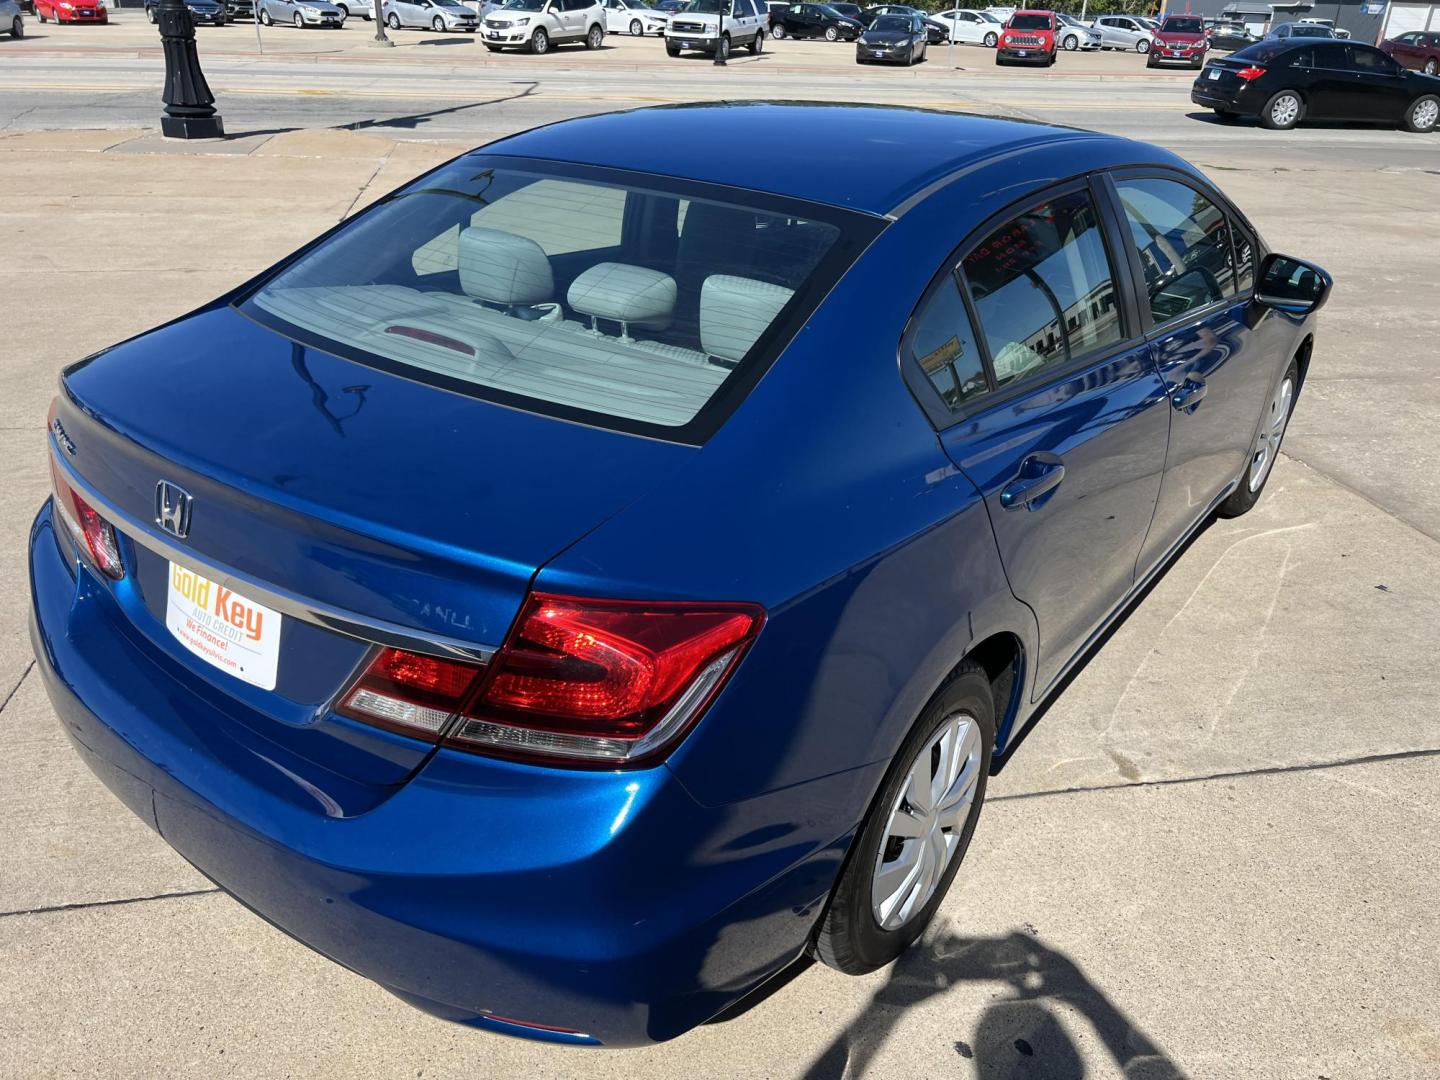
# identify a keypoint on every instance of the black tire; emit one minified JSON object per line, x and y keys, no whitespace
{"x":265,"y":19}
{"x":637,"y":28}
{"x":999,"y":62}
{"x":150,"y":16}
{"x":757,"y":43}
{"x":1150,"y":62}
{"x":1422,"y":115}
{"x":991,"y":40}
{"x":595,"y":37}
{"x":1244,"y":497}
{"x":672,"y":49}
{"x":1285,"y":118}
{"x":778,"y":31}
{"x":393,"y":21}
{"x":17,"y":28}
{"x":722,"y":50}
{"x":539,"y":42}
{"x":831,"y":34}
{"x":848,"y":937}
{"x":1053,"y":56}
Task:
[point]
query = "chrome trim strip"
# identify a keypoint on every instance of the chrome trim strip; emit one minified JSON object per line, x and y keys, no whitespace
{"x":337,"y":620}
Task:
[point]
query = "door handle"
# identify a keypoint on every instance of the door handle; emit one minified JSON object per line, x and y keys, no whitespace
{"x":1187,"y":396}
{"x":1037,"y":479}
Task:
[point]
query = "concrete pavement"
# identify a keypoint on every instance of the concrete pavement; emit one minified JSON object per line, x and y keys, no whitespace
{"x":1212,"y":857}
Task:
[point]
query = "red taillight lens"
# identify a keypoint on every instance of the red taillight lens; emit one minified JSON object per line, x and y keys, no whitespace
{"x":92,"y":534}
{"x":605,"y":682}
{"x":409,"y":693}
{"x":1251,"y":73}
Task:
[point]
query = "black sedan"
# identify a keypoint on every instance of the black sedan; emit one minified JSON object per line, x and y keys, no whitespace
{"x":895,"y":39}
{"x":1285,"y":82}
{"x":811,"y":21}
{"x":936,"y":32}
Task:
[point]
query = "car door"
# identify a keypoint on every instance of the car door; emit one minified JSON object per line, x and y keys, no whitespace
{"x":416,"y":12}
{"x":1195,"y":263}
{"x":808,"y":20}
{"x":617,"y":17}
{"x":970,"y":28}
{"x":1061,"y":418}
{"x":1330,"y":86}
{"x":1376,"y":89}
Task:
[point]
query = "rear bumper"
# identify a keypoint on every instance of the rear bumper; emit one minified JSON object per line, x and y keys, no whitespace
{"x":1201,"y":95}
{"x":612,"y":905}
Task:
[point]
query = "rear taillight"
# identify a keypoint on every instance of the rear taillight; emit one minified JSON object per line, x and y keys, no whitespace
{"x":1250,"y":73}
{"x":92,"y":534}
{"x":409,"y":693}
{"x":578,"y":681}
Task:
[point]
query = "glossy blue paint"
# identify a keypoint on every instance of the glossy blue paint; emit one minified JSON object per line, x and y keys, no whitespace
{"x":622,"y":906}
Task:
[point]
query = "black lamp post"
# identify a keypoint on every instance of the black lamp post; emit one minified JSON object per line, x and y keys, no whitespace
{"x":720,"y":36}
{"x":189,"y":104}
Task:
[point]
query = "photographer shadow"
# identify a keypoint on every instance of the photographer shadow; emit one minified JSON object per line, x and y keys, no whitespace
{"x":1019,"y":1033}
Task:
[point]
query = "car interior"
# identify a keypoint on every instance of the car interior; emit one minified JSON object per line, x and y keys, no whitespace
{"x":631,"y":303}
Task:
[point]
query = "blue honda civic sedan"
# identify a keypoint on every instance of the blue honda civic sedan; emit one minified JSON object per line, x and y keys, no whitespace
{"x":602,"y":575}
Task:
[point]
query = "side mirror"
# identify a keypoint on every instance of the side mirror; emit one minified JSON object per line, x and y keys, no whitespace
{"x":1293,"y":286}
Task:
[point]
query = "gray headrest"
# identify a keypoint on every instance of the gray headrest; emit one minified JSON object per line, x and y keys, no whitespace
{"x":623,"y":293}
{"x":504,"y":268}
{"x":735,"y":311}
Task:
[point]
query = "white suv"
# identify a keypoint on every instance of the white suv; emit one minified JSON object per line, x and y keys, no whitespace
{"x":696,"y":26}
{"x":538,"y":24}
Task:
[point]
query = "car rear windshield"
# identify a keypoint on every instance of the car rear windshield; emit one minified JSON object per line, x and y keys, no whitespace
{"x":631,"y":301}
{"x":1263,"y":52}
{"x":1181,"y":25}
{"x":1030,"y":22}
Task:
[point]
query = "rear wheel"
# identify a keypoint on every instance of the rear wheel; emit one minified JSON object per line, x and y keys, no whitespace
{"x":1267,"y":446}
{"x":831,"y":34}
{"x":757,"y":44}
{"x":1282,"y":112}
{"x":539,"y":42}
{"x":917,"y":831}
{"x":1422,"y":114}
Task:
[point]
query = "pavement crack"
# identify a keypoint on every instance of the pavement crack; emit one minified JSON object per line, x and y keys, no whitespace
{"x":109,"y":903}
{"x":16,"y":688}
{"x":1234,"y":774}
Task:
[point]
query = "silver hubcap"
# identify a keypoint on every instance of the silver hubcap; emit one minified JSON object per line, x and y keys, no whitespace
{"x":926,"y":822}
{"x":1426,"y":113}
{"x":1267,"y":445}
{"x":1285,"y":110}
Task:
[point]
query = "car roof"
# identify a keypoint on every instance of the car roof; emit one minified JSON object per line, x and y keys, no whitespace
{"x":870,"y":158}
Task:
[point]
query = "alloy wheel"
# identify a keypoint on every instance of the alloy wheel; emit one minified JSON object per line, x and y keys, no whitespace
{"x":991,"y":41}
{"x":926,"y":822}
{"x":1267,"y":443}
{"x":636,"y":30}
{"x":299,"y":22}
{"x":1072,"y":43}
{"x":438,"y":25}
{"x":1431,"y":67}
{"x":1425,"y":115}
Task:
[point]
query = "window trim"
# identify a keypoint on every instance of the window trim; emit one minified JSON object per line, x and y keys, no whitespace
{"x":1151,"y":330}
{"x":940,"y":415}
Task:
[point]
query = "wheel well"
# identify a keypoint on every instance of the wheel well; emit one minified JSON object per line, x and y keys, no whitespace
{"x":1001,"y":656}
{"x":1302,"y":360}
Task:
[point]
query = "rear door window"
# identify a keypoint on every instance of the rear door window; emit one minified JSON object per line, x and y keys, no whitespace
{"x":1183,"y":240}
{"x":1043,"y":289}
{"x":612,"y":299}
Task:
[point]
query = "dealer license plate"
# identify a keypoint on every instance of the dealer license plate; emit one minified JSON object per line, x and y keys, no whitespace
{"x":223,"y":628}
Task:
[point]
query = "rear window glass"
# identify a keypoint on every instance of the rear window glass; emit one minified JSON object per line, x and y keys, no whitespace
{"x":1030,"y":22}
{"x":1182,"y":25}
{"x":1263,"y":52}
{"x":623,"y":301}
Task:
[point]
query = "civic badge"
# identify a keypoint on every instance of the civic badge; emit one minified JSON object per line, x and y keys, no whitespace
{"x":172,"y":509}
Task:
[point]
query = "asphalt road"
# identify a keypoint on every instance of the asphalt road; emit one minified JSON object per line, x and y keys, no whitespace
{"x":1214,"y":856}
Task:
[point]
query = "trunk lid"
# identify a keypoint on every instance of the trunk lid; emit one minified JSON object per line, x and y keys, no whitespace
{"x":348,"y":488}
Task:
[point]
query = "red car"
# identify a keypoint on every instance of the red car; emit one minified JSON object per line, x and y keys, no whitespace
{"x":1028,"y":37}
{"x":1181,"y":39}
{"x":77,"y":11}
{"x":1418,"y":50}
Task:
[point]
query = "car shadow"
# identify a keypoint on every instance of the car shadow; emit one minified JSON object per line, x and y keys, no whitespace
{"x":1019,"y":1032}
{"x":468,"y":39}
